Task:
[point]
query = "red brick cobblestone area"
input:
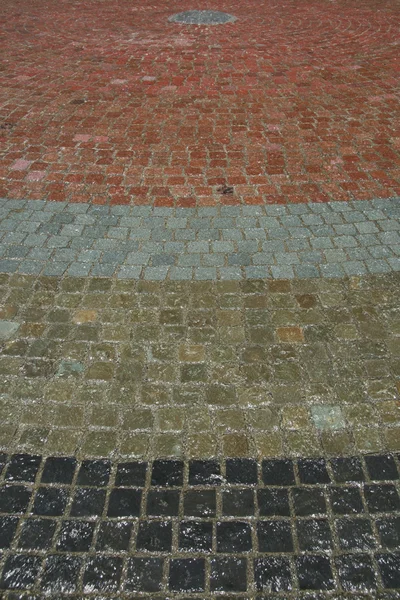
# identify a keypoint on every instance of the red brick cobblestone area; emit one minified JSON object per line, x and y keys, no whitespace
{"x":109,"y":103}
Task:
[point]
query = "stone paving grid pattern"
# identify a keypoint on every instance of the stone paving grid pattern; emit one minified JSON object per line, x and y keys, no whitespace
{"x":202,"y":526}
{"x":99,"y":367}
{"x":292,"y":103}
{"x":303,"y":241}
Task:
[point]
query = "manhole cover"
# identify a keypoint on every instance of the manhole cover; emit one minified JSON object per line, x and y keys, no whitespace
{"x":202,"y":17}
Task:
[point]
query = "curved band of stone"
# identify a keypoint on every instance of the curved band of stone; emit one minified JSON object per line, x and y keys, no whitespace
{"x":202,"y":17}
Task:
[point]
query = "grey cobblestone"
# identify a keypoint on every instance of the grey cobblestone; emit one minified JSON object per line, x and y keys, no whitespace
{"x":226,"y":242}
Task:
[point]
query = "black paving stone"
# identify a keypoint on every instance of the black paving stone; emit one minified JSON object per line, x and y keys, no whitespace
{"x":382,"y":498}
{"x":314,"y":573}
{"x":102,"y":574}
{"x":162,"y":503}
{"x":167,"y":473}
{"x":14,"y":498}
{"x":144,"y":574}
{"x":228,"y":574}
{"x":114,"y":535}
{"x":154,"y":536}
{"x":20,"y":572}
{"x":8,"y":527}
{"x":313,"y":471}
{"x":278,"y":472}
{"x":308,"y":501}
{"x":187,"y":575}
{"x":37,"y":534}
{"x":314,"y":534}
{"x":233,"y":536}
{"x":274,"y":536}
{"x":75,"y":536}
{"x":389,"y":567}
{"x":124,"y":503}
{"x":23,"y":467}
{"x":204,"y":472}
{"x":88,"y":502}
{"x":272,"y":574}
{"x":389,"y":532}
{"x":241,"y":471}
{"x":131,"y":474}
{"x":50,"y":501}
{"x":347,"y":469}
{"x":61,"y":574}
{"x":59,"y":470}
{"x":346,"y":500}
{"x":94,"y":472}
{"x":195,"y":536}
{"x":238,"y":502}
{"x":355,"y":534}
{"x":356,"y":572}
{"x":3,"y":460}
{"x":199,"y":503}
{"x":273,"y":502}
{"x":381,"y":468}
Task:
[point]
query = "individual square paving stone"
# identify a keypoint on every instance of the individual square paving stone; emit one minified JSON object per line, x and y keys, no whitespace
{"x":238,"y":502}
{"x":346,"y":500}
{"x":278,"y":472}
{"x":241,"y":471}
{"x":114,"y":536}
{"x":37,"y":534}
{"x":8,"y":527}
{"x":228,"y":575}
{"x":314,"y":573}
{"x":195,"y":536}
{"x":389,"y":532}
{"x":23,"y":467}
{"x":94,"y":472}
{"x":347,"y":469}
{"x":61,"y":574}
{"x":381,"y":468}
{"x":313,"y":471}
{"x":59,"y":470}
{"x":75,"y":536}
{"x":272,"y":574}
{"x":8,"y":328}
{"x":102,"y":573}
{"x":308,"y":501}
{"x":273,"y":502}
{"x":163,"y":503}
{"x":204,"y":472}
{"x":314,"y":535}
{"x":124,"y":503}
{"x":233,"y":536}
{"x":167,"y":473}
{"x":20,"y":572}
{"x":154,"y":536}
{"x":381,"y":498}
{"x":144,"y":575}
{"x":356,"y":573}
{"x":327,"y":417}
{"x":88,"y":502}
{"x":50,"y":502}
{"x":187,"y":575}
{"x":131,"y":474}
{"x":355,"y":534}
{"x":389,"y":567}
{"x":14,"y":498}
{"x":274,"y":536}
{"x":199,"y":503}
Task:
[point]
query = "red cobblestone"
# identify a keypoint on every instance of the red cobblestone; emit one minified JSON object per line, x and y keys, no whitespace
{"x":112,"y":104}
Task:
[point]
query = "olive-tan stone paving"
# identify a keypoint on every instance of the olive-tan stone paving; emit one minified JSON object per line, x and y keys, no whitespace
{"x":107,"y":367}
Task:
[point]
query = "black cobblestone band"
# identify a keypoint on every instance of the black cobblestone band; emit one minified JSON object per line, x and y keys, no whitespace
{"x":69,"y":527}
{"x":202,"y":17}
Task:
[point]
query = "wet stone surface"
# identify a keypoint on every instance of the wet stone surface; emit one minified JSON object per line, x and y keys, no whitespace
{"x":282,"y":529}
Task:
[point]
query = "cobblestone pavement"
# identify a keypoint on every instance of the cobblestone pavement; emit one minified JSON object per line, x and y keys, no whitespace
{"x":112,"y":103}
{"x":227,"y":243}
